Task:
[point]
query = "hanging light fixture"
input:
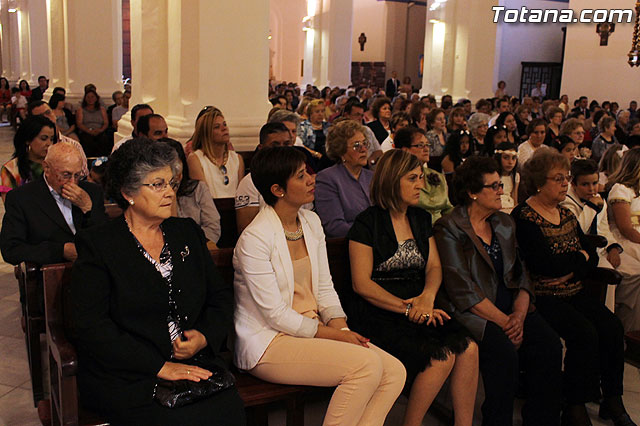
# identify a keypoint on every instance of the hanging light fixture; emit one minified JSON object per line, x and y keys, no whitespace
{"x":634,"y":54}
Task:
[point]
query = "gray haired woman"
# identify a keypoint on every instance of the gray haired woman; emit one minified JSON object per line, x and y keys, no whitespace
{"x":478,"y":125}
{"x":147,"y":300}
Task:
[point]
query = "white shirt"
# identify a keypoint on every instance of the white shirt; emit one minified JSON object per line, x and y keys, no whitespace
{"x":387,"y":144}
{"x":65,"y":207}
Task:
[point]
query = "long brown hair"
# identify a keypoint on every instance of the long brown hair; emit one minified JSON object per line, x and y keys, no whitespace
{"x":202,"y":139}
{"x":385,"y":186}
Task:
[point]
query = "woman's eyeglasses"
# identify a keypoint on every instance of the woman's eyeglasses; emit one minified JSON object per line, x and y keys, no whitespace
{"x":560,"y":179}
{"x":359,"y":145}
{"x":496,"y":186}
{"x":162,"y":185}
{"x":225,"y":178}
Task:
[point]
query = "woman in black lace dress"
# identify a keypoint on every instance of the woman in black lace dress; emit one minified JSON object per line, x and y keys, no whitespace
{"x":396,"y":274}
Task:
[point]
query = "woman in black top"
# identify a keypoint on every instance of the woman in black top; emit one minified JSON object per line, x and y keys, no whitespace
{"x":381,"y":111}
{"x":147,"y":299}
{"x":558,"y":258}
{"x":396,"y":274}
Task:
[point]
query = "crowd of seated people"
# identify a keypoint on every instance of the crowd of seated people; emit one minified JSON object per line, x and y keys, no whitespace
{"x":447,"y":284}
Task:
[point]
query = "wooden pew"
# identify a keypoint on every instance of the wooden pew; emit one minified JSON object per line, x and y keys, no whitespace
{"x":30,"y":285}
{"x":226,"y":208}
{"x":63,"y":362}
{"x":112,"y":210}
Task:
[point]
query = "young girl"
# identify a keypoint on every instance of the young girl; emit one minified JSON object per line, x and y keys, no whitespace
{"x":456,"y":150}
{"x":508,"y":120}
{"x":506,"y":157}
{"x":566,"y":146}
{"x":494,"y":137}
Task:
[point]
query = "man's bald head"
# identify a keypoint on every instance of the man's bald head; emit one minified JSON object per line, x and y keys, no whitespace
{"x":62,"y":151}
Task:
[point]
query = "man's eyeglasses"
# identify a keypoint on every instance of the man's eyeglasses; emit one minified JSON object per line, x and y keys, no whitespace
{"x":359,"y":145}
{"x":67,"y":176}
{"x":560,"y":179}
{"x":496,"y":186}
{"x":162,"y":185}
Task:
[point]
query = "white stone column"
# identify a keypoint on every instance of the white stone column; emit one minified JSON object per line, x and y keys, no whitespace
{"x":94,"y":46}
{"x":57,"y":47}
{"x":186,"y":54}
{"x":38,"y":41}
{"x":328,"y":44}
{"x":9,"y":43}
{"x":460,"y":49}
{"x":24,"y":41}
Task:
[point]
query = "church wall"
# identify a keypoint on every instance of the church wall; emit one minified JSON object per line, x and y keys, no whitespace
{"x":526,"y":43}
{"x":287,"y":38}
{"x":369,"y":17}
{"x":600,"y":72}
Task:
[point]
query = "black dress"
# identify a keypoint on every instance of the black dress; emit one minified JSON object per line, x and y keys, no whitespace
{"x":399,"y":268}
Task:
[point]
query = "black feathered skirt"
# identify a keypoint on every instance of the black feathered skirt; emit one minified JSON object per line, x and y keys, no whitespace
{"x":415,"y":345}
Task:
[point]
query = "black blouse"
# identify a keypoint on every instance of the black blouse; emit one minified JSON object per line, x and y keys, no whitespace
{"x":553,"y":251}
{"x":373,"y":228}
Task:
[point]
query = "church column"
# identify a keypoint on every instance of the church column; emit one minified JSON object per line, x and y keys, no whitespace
{"x":9,"y":43}
{"x":38,"y":41}
{"x":57,"y":37}
{"x":459,"y":49}
{"x":93,"y":46}
{"x":328,"y":44}
{"x":208,"y":53}
{"x":21,"y":34}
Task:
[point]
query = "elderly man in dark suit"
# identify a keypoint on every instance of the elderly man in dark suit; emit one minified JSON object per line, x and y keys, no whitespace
{"x":42,"y":217}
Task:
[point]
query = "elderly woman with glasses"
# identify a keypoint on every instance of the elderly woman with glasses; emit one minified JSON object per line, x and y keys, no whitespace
{"x":149,"y":305}
{"x":212,"y":161}
{"x":558,"y":258}
{"x":342,"y":191}
{"x":487,"y":289}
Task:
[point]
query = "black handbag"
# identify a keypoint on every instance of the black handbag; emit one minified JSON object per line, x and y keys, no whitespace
{"x":178,"y":393}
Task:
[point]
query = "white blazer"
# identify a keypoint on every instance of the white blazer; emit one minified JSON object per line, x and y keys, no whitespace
{"x":264,"y":285}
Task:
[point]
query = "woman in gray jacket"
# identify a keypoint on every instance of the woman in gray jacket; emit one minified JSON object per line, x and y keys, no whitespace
{"x":487,"y":289}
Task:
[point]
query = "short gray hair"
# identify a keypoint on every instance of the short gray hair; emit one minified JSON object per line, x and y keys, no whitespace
{"x":284,"y":115}
{"x":476,"y":121}
{"x":130,"y":164}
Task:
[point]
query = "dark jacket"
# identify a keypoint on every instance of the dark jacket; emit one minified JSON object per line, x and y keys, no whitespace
{"x":378,"y":130}
{"x":468,"y":272}
{"x":120,"y":306}
{"x":33,"y":228}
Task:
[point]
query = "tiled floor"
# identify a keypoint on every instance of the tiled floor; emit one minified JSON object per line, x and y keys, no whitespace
{"x":16,"y":401}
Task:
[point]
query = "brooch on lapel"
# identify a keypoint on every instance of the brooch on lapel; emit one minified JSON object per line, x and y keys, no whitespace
{"x":184,"y":253}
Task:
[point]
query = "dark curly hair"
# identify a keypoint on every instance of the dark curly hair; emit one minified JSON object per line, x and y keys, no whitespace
{"x":379,"y":103}
{"x":452,"y":148}
{"x":535,"y":170}
{"x":469,"y":177}
{"x":132,"y":162}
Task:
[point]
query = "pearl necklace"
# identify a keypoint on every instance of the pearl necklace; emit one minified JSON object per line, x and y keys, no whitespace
{"x":294,"y":236}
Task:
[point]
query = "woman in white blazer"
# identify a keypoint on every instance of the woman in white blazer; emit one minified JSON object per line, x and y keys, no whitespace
{"x":289,"y":324}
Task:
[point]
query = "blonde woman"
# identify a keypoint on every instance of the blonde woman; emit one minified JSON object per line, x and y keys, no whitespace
{"x":624,"y":216}
{"x":211,"y":160}
{"x":313,"y":131}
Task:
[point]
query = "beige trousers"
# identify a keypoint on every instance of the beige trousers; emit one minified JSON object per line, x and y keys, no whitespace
{"x":368,"y":380}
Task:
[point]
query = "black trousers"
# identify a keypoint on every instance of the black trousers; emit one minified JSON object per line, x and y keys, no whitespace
{"x":594,"y":338}
{"x":540,"y":355}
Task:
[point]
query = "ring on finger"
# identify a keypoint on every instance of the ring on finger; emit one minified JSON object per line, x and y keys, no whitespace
{"x":188,"y":372}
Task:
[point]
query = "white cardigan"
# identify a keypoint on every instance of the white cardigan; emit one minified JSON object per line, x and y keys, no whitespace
{"x":264,"y":285}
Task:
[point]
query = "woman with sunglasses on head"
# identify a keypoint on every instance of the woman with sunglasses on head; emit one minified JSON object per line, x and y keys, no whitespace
{"x":487,"y":289}
{"x":212,"y":161}
{"x":558,"y":258}
{"x":342,"y":191}
{"x":149,"y":305}
{"x":289,"y":322}
{"x":396,"y":274}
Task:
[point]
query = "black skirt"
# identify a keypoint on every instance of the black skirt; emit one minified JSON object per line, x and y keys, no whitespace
{"x":415,"y":345}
